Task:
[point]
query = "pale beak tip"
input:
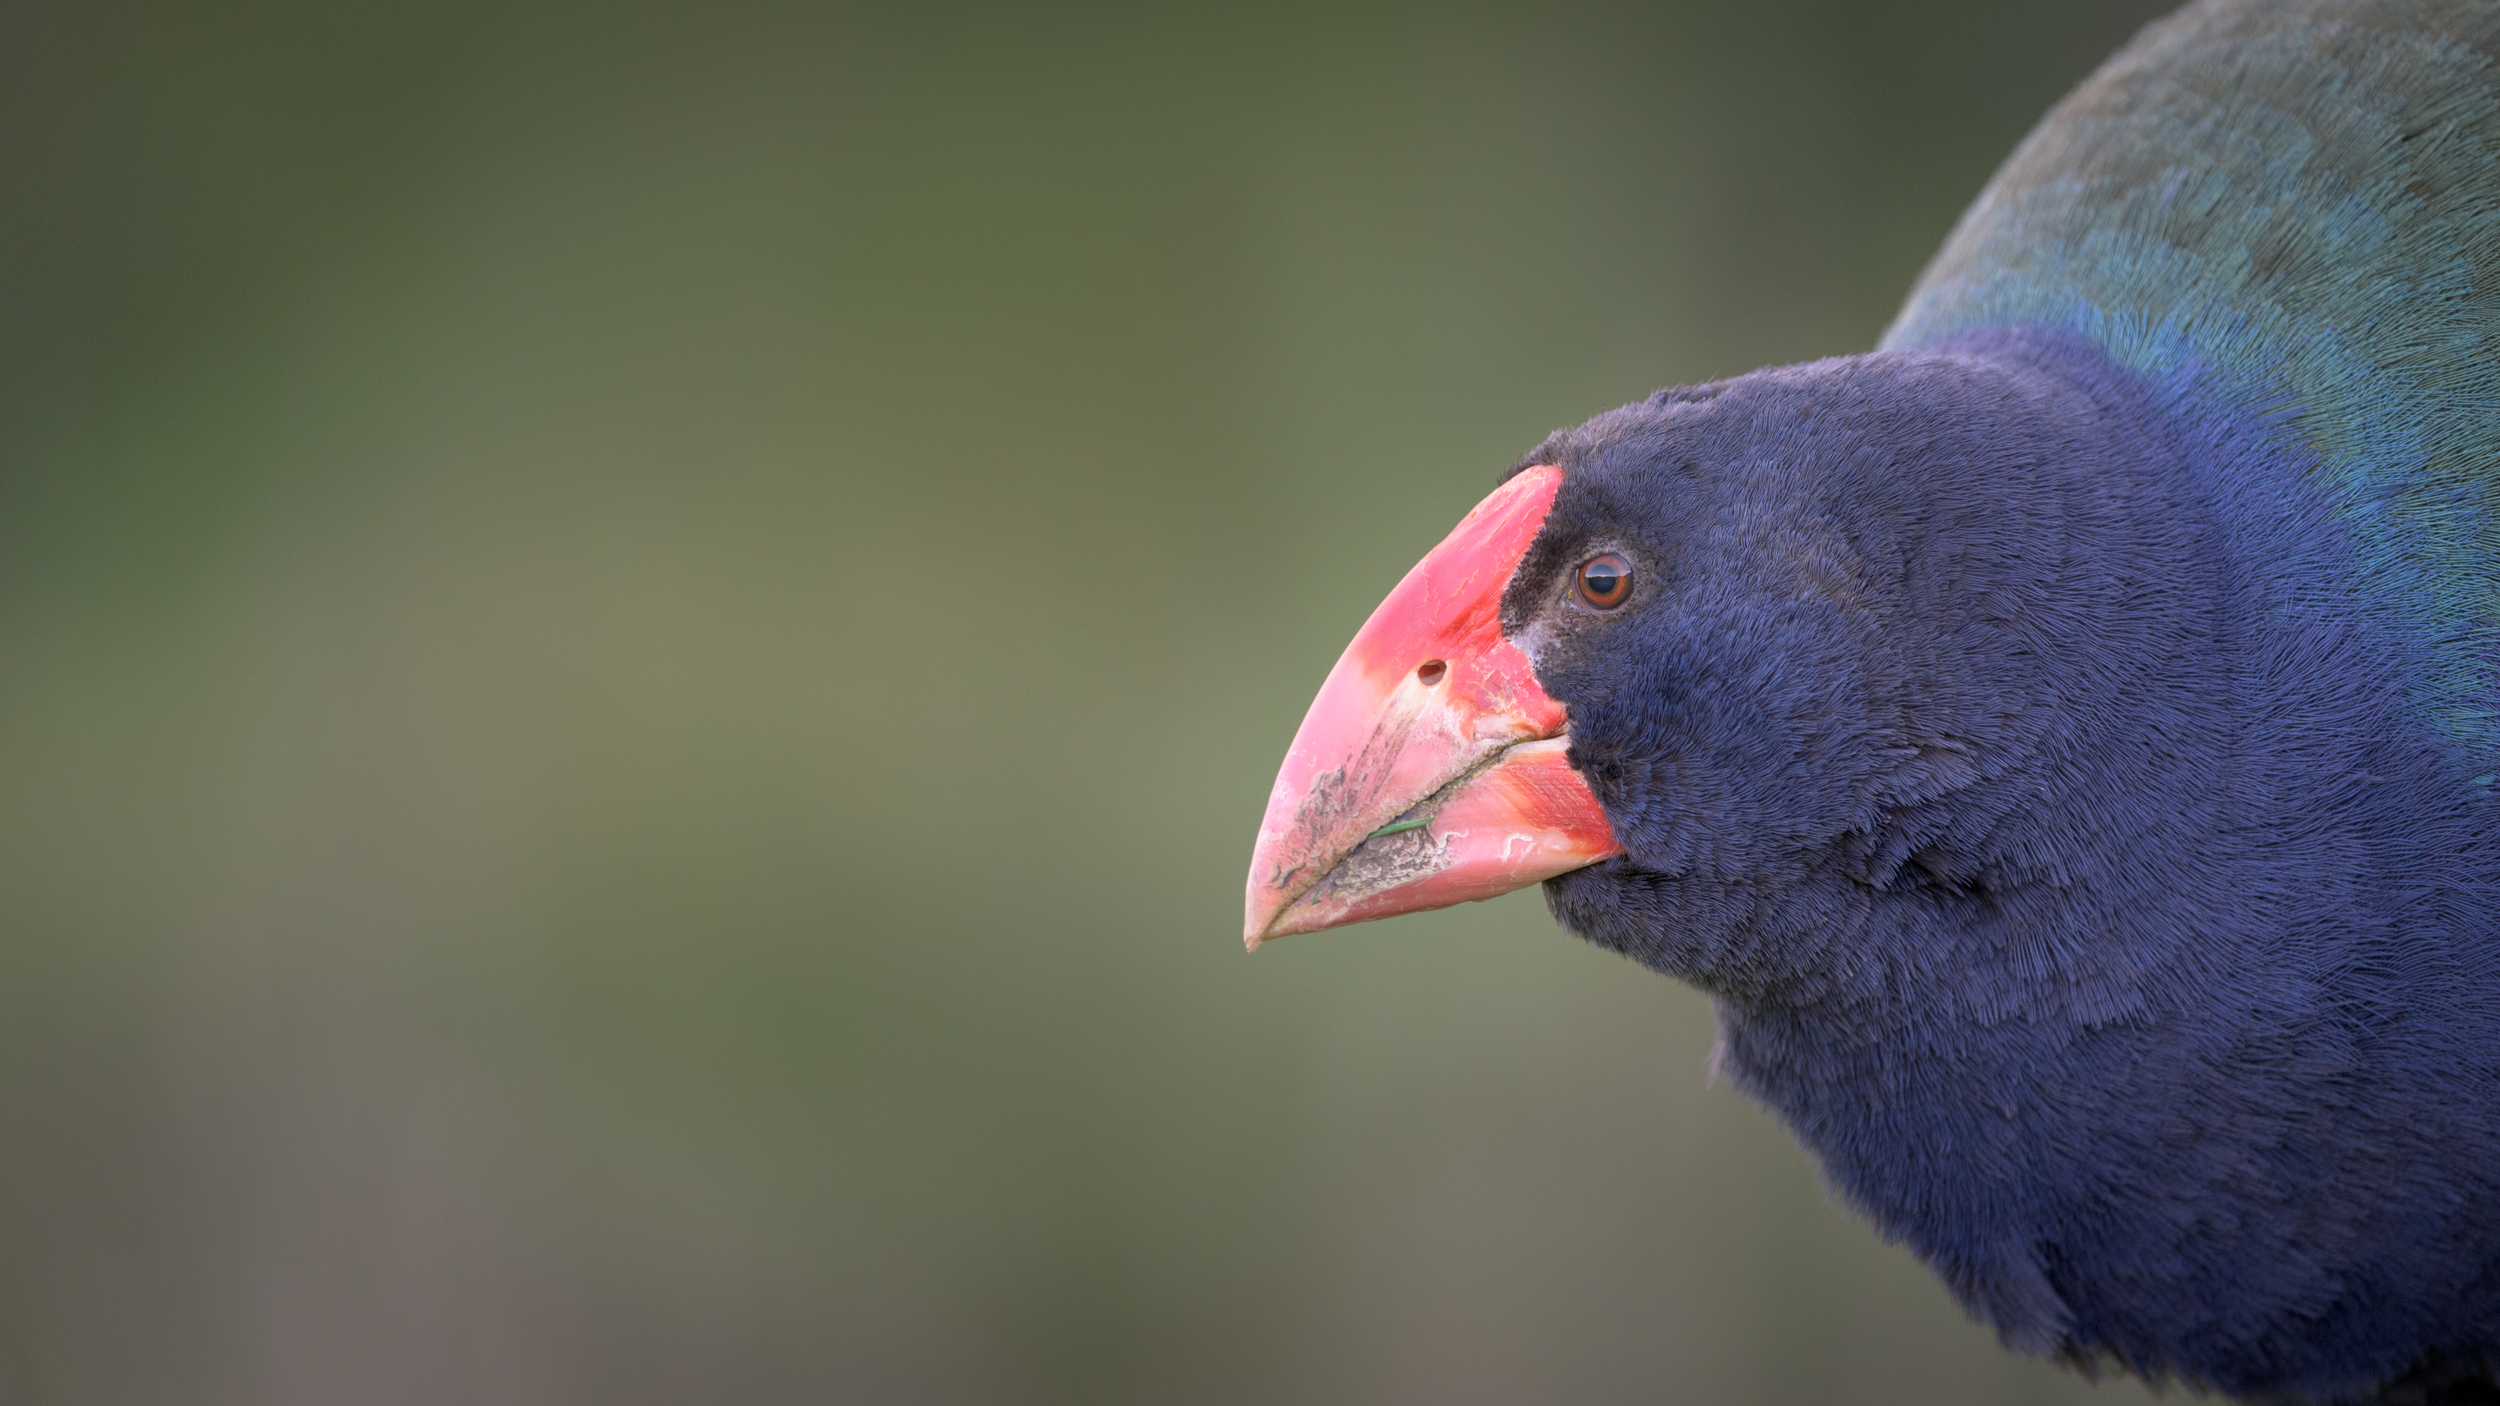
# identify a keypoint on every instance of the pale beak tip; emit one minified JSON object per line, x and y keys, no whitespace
{"x":1263,"y":907}
{"x":1259,"y":924}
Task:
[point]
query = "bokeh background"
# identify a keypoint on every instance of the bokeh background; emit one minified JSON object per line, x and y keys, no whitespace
{"x":643,"y":643}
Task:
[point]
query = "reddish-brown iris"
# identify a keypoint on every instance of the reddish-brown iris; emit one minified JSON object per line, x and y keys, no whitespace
{"x":1604,"y":582}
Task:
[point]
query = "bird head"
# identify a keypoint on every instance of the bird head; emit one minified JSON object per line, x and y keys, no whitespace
{"x":1725,"y":667}
{"x":1646,"y":651}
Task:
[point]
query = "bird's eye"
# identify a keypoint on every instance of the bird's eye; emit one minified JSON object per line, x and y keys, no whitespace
{"x":1604,"y":582}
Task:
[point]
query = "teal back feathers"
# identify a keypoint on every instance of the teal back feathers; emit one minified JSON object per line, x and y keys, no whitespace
{"x":2291,"y":211}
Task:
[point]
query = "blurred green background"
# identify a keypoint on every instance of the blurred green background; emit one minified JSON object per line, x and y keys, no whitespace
{"x":643,"y":646}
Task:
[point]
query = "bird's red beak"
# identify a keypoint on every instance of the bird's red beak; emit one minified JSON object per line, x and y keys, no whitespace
{"x":1430,"y":769}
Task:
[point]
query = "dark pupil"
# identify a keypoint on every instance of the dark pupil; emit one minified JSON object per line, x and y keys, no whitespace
{"x":1602,"y":580}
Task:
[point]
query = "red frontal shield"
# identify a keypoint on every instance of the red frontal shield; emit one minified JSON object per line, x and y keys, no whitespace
{"x":1430,"y":769}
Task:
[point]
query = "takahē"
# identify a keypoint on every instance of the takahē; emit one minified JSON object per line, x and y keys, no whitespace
{"x":2065,"y":740}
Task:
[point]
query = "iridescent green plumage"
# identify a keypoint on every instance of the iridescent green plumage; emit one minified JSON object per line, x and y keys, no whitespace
{"x":2292,"y":211}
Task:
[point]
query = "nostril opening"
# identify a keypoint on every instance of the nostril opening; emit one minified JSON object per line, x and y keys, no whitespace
{"x":1430,"y":671}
